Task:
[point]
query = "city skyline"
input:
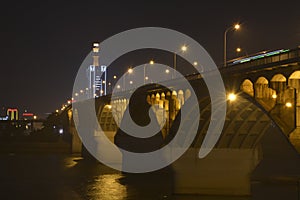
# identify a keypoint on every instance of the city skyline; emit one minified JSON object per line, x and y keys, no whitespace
{"x":45,"y":43}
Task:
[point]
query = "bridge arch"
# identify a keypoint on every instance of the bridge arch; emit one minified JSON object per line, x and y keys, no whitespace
{"x":294,"y":100}
{"x":261,"y":88}
{"x":279,"y":83}
{"x":278,"y":78}
{"x":247,"y":87}
{"x":262,"y":80}
{"x":294,"y":79}
{"x":265,"y":95}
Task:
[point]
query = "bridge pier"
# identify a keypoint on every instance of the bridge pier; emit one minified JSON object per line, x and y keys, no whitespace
{"x":295,"y":83}
{"x":76,"y":145}
{"x":222,"y":172}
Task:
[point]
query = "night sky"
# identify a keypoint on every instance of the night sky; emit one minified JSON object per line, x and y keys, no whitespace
{"x":43,"y":43}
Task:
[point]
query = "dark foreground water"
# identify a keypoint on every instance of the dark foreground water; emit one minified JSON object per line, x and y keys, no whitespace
{"x":54,"y":176}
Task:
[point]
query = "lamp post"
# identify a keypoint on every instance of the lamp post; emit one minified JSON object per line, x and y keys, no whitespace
{"x":114,"y":81}
{"x":238,"y":51}
{"x":130,"y":70}
{"x":235,"y":27}
{"x":151,"y":62}
{"x":241,"y":52}
{"x":183,"y":49}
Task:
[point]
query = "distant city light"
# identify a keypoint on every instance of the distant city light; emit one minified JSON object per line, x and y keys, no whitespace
{"x":27,"y":114}
{"x":4,"y":118}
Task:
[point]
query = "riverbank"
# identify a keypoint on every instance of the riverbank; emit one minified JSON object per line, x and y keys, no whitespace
{"x":35,"y":147}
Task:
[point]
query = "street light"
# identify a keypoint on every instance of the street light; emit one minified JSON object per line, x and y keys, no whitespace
{"x":238,"y":51}
{"x":151,"y":62}
{"x":231,"y":97}
{"x":235,"y":27}
{"x":183,"y":49}
{"x":241,"y":52}
{"x":130,"y":70}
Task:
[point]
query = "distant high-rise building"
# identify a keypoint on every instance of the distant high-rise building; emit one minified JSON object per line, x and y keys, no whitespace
{"x":96,"y":76}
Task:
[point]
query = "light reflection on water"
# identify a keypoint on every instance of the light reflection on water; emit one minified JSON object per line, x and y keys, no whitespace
{"x":70,"y":162}
{"x":107,"y":187}
{"x":91,"y":180}
{"x":72,"y":177}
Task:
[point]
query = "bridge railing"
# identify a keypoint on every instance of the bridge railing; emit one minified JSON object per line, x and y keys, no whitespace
{"x":288,"y":55}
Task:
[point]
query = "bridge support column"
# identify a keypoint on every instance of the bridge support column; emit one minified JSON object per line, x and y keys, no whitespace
{"x":76,"y":146}
{"x":296,"y":132}
{"x":294,"y":82}
{"x":222,"y":172}
{"x":279,"y":87}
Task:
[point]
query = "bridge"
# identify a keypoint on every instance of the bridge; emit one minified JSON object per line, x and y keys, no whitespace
{"x":264,"y":112}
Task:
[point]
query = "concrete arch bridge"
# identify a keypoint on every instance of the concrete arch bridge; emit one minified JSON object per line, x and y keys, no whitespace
{"x":265,"y":111}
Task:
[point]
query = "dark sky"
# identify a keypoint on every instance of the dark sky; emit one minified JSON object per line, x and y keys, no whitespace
{"x":43,"y":43}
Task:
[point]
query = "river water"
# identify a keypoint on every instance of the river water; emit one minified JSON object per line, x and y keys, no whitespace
{"x":62,"y":176}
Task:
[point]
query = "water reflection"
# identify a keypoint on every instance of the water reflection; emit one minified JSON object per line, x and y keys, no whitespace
{"x":67,"y":177}
{"x":107,"y":187}
{"x":70,"y":162}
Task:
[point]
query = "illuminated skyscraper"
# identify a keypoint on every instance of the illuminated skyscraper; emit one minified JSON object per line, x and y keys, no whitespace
{"x":96,"y":76}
